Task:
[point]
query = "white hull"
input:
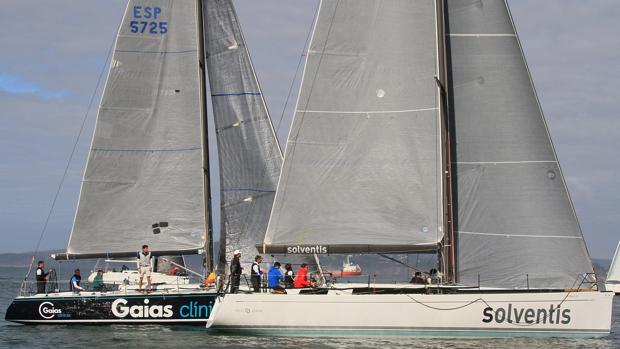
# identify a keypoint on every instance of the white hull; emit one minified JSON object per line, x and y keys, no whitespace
{"x":581,"y":314}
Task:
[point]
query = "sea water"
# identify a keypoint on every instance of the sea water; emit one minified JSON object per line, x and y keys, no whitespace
{"x":156,"y":336}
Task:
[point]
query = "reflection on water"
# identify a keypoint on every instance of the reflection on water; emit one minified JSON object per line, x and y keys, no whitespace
{"x":155,"y":336}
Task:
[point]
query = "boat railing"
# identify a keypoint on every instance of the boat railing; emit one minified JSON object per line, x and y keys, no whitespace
{"x":29,"y":287}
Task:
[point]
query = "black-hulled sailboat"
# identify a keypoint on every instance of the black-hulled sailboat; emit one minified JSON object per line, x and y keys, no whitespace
{"x":147,"y":176}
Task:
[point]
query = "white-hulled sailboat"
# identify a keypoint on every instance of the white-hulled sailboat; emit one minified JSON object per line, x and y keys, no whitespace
{"x":147,"y":176}
{"x":613,"y":275}
{"x":418,"y":130}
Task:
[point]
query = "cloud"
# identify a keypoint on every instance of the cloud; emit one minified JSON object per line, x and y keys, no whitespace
{"x":16,"y":85}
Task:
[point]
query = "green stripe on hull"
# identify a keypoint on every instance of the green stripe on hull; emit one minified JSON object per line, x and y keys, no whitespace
{"x":364,"y":332}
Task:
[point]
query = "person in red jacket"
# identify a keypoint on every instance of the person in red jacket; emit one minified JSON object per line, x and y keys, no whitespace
{"x":301,"y":279}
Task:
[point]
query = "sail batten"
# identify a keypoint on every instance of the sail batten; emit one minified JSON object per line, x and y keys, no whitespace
{"x":145,"y":160}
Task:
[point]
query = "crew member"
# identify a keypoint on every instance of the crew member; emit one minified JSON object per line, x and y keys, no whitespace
{"x":75,"y":281}
{"x":274,"y":277}
{"x":256,"y":273}
{"x":145,"y":267}
{"x":301,"y":280}
{"x":289,"y":276}
{"x":41,"y":277}
{"x":98,"y":284}
{"x":235,"y":271}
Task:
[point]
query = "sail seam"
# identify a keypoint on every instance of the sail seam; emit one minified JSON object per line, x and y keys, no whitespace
{"x":521,"y":235}
{"x":160,"y":52}
{"x":366,"y":111}
{"x":236,"y":94}
{"x":480,"y":35}
{"x":503,"y":162}
{"x":146,"y":150}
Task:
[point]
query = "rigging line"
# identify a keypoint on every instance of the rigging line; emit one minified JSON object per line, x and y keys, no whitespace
{"x":301,"y":57}
{"x":75,"y":144}
{"x":399,"y":262}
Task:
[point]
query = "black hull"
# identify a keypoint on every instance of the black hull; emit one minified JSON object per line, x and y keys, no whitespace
{"x":171,"y":309}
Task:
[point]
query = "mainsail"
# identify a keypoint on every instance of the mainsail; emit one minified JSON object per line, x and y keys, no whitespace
{"x":145,"y":161}
{"x":362,"y":169}
{"x":516,"y":224}
{"x":249,"y":154}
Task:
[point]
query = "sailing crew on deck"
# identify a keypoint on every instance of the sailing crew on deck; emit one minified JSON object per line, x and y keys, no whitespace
{"x":74,"y":284}
{"x":41,"y":277}
{"x":274,"y":277}
{"x":301,"y":280}
{"x":256,"y":273}
{"x":418,"y":279}
{"x":235,"y":271}
{"x":145,"y":266}
{"x":289,"y":276}
{"x":98,"y":284}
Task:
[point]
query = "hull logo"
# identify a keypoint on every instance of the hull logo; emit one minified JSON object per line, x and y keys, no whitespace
{"x":47,"y":310}
{"x":121,"y":310}
{"x":512,"y":314}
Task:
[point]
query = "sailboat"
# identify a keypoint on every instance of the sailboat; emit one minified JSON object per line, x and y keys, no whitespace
{"x":613,"y":275}
{"x":418,"y":130}
{"x":147,"y":179}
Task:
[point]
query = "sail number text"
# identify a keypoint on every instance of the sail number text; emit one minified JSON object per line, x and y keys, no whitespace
{"x":145,"y":20}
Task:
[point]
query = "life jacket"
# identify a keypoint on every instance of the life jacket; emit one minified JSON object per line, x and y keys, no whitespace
{"x":77,"y":279}
{"x":255,"y":272}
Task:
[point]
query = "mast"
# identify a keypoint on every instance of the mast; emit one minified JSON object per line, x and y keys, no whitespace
{"x":208,"y":255}
{"x":446,"y":252}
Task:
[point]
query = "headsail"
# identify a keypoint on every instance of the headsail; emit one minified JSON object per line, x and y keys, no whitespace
{"x":145,"y":161}
{"x":516,"y":222}
{"x":614,"y":269}
{"x":249,"y":154}
{"x":362,"y":169}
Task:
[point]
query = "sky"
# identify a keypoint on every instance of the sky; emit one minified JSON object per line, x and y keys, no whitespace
{"x":51,"y":60}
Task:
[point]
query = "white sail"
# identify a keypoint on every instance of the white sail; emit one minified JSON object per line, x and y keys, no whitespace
{"x":614,"y":269}
{"x":145,"y":161}
{"x":362,"y":169}
{"x":516,"y":224}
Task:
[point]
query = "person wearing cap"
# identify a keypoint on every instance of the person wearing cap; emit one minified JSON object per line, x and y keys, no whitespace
{"x":256,"y":273}
{"x":235,"y":271}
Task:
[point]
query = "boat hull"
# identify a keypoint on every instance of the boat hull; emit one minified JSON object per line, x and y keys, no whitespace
{"x":98,"y":308}
{"x":613,"y":287}
{"x":553,"y":314}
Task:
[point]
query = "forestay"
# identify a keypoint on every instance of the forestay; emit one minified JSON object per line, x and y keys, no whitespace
{"x":516,"y":223}
{"x":249,"y":154}
{"x":362,"y":169}
{"x":145,"y":162}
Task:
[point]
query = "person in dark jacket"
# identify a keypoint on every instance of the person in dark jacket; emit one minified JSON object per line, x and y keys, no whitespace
{"x":289,"y":276}
{"x":418,"y":279}
{"x":41,"y":277}
{"x":256,"y":273}
{"x":274,"y":277}
{"x":235,"y":271}
{"x":75,"y":281}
